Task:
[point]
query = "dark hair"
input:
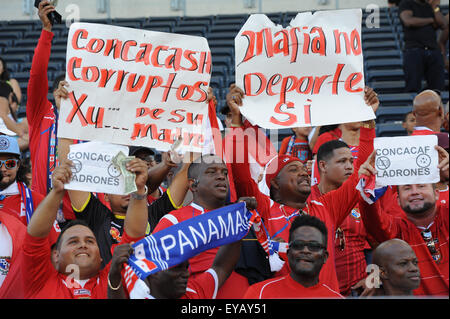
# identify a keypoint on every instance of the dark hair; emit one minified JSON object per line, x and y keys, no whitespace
{"x":195,"y":167}
{"x":327,"y":128}
{"x":73,"y":222}
{"x":325,"y":151}
{"x":24,"y":169}
{"x":58,"y":79}
{"x":308,"y":220}
{"x":4,"y":76}
{"x":406,"y":116}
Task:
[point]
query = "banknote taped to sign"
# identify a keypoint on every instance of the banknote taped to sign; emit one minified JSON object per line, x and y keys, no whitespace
{"x":405,"y":160}
{"x":93,"y":168}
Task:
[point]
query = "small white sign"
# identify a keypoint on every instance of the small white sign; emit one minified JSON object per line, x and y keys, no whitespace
{"x":405,"y":160}
{"x":93,"y":169}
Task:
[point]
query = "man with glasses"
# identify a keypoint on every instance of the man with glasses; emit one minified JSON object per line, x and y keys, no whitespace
{"x":424,"y":227}
{"x":16,"y":198}
{"x":335,"y":163}
{"x":307,"y":254}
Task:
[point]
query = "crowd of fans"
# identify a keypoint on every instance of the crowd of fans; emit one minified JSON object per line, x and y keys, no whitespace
{"x":76,"y":244}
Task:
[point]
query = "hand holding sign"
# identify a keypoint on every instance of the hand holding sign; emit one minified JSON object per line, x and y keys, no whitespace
{"x":443,"y":163}
{"x":61,"y":175}
{"x":404,"y":160}
{"x":120,"y":161}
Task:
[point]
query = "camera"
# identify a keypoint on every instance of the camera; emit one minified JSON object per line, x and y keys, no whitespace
{"x":54,"y":16}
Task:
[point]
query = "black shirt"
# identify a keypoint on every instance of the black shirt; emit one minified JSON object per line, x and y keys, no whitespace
{"x":108,"y":228}
{"x":419,"y":37}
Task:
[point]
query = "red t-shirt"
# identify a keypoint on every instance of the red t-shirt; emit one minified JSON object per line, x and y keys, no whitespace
{"x":299,"y":148}
{"x":383,"y":226}
{"x":43,"y":281}
{"x":326,"y":137}
{"x":350,"y":259}
{"x":13,"y":205}
{"x":41,"y":115}
{"x":236,"y":285}
{"x":287,"y":288}
{"x":12,"y":286}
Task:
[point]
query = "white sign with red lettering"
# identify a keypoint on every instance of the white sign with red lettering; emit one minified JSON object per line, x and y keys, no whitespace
{"x":309,"y":73}
{"x":135,"y":87}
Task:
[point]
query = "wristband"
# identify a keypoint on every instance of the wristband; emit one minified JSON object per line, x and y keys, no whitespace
{"x":370,"y":124}
{"x":437,"y":9}
{"x":235,"y":125}
{"x":137,"y":196}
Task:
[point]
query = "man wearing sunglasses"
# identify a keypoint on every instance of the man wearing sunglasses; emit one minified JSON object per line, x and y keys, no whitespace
{"x":307,"y":254}
{"x":424,"y":226}
{"x":16,"y":198}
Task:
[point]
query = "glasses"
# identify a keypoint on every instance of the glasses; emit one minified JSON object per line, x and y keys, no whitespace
{"x":9,"y":163}
{"x":300,"y":245}
{"x":432,"y":245}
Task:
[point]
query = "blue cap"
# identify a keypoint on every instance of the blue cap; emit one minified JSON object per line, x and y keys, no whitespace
{"x":9,"y":145}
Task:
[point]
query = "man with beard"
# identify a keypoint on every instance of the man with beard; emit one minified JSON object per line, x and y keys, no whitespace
{"x":398,"y":265}
{"x":424,"y":227}
{"x":288,"y":182}
{"x":307,"y":254}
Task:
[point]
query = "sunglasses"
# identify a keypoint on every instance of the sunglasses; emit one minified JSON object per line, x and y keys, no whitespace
{"x":9,"y":163}
{"x":432,"y":245}
{"x":313,"y":246}
{"x":341,"y":236}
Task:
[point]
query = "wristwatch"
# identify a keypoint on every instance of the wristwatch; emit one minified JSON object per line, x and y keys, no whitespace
{"x":437,"y":9}
{"x":137,"y":196}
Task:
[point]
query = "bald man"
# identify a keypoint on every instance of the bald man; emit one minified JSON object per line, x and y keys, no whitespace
{"x":399,"y":271}
{"x":429,"y":112}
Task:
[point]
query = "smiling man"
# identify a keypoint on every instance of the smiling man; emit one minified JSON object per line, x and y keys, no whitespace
{"x":290,"y":188}
{"x":424,"y":226}
{"x":307,"y":254}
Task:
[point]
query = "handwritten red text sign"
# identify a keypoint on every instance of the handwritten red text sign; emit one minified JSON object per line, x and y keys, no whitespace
{"x":309,"y":73}
{"x":135,"y":87}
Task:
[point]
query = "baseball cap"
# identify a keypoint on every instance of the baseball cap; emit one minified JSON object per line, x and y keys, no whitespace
{"x":9,"y":145}
{"x":276,"y":165}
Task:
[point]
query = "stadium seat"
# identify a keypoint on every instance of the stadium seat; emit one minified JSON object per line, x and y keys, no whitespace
{"x":390,"y":129}
{"x":384,"y":87}
{"x":396,"y":99}
{"x":382,"y":54}
{"x":385,"y":75}
{"x":190,"y":30}
{"x":387,"y":114}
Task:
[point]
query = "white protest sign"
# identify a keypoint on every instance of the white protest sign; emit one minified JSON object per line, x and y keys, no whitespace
{"x":309,"y":73}
{"x":135,"y":87}
{"x":93,"y":169}
{"x":405,"y":160}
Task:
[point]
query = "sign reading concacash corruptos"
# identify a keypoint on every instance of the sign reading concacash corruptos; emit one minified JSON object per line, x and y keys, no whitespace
{"x":135,"y":87}
{"x":309,"y":73}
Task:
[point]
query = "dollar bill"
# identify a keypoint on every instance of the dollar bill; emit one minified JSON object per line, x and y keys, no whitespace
{"x":120,"y":161}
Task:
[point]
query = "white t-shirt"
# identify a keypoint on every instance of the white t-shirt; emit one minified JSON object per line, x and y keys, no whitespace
{"x":5,"y":252}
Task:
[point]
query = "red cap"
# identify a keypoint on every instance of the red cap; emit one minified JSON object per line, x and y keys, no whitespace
{"x":276,"y":165}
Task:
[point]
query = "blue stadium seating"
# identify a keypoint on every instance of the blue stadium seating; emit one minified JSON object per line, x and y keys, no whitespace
{"x":381,"y":50}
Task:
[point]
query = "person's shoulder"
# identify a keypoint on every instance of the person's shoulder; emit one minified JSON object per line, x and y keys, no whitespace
{"x":328,"y":292}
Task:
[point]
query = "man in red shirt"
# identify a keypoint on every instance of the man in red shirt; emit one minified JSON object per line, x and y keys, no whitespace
{"x":289,"y":185}
{"x":42,"y":116}
{"x":208,"y":182}
{"x":335,"y":162}
{"x":16,"y":198}
{"x":425,"y":227}
{"x":72,"y":269}
{"x":306,"y":264}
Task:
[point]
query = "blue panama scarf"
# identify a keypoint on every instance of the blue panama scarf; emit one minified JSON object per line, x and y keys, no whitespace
{"x":178,"y":243}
